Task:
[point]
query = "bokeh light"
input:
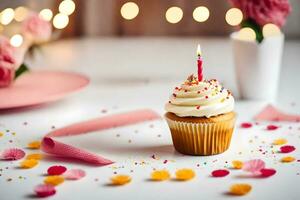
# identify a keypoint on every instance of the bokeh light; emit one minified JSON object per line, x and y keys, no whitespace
{"x":201,"y":14}
{"x":247,"y":34}
{"x":270,"y":30}
{"x":7,"y":15}
{"x":60,"y":21}
{"x":174,"y":15}
{"x":16,"y":40}
{"x":20,"y":13}
{"x":129,"y":10}
{"x":67,"y":7}
{"x":46,"y":14}
{"x":234,"y":16}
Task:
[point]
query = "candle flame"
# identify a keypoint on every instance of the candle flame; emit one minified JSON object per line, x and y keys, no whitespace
{"x":199,"y":50}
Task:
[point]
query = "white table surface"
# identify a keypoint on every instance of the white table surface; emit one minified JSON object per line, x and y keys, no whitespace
{"x":133,"y":73}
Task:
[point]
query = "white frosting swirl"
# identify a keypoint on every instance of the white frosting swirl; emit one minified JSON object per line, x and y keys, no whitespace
{"x":200,"y":99}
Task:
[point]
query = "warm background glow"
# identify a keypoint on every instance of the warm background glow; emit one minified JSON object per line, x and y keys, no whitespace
{"x":129,"y":10}
{"x":20,"y":13}
{"x":67,"y":7}
{"x":46,"y":14}
{"x":60,"y":21}
{"x":201,"y":14}
{"x":234,"y":16}
{"x":174,"y":15}
{"x":7,"y":15}
{"x":16,"y":40}
{"x":247,"y":34}
{"x":271,"y":30}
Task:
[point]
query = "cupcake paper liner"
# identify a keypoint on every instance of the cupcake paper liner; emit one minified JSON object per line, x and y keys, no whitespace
{"x":201,"y":138}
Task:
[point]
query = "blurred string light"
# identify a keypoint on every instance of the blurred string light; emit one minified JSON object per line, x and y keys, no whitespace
{"x":46,"y":14}
{"x":234,"y":16}
{"x":247,"y":34}
{"x":271,"y":30}
{"x":60,"y":21}
{"x":20,"y":13}
{"x":174,"y":15}
{"x":7,"y":15}
{"x":129,"y":10}
{"x":16,"y":40}
{"x":201,"y":14}
{"x":67,"y":7}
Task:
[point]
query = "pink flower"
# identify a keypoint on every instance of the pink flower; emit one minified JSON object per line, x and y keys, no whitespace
{"x":36,"y":29}
{"x":264,"y":11}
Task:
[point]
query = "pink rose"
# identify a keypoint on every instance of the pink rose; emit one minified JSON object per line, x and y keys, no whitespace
{"x":10,"y":60}
{"x":264,"y":11}
{"x":36,"y":29}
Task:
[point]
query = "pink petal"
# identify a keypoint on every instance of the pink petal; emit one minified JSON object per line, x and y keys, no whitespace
{"x":246,"y":125}
{"x":220,"y":173}
{"x":12,"y":154}
{"x":56,"y":170}
{"x":44,"y":190}
{"x":267,"y":172}
{"x":272,"y":127}
{"x":287,"y":149}
{"x":74,"y":174}
{"x":254,"y":166}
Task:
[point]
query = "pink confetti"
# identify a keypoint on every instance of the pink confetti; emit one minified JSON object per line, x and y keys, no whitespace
{"x":74,"y":174}
{"x":272,"y":127}
{"x":56,"y":170}
{"x":287,"y":149}
{"x":254,"y":166}
{"x":44,"y":190}
{"x":220,"y":173}
{"x":267,"y":172}
{"x":12,"y":154}
{"x":246,"y":125}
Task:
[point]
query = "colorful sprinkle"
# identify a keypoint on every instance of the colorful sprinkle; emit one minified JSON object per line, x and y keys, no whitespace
{"x":12,"y":154}
{"x":272,"y":127}
{"x":120,"y":180}
{"x":44,"y":190}
{"x":56,"y":170}
{"x":246,"y":125}
{"x":160,"y":175}
{"x":185,"y":174}
{"x":287,"y":149}
{"x":34,"y":145}
{"x":54,"y":180}
{"x":236,"y":164}
{"x":280,"y":141}
{"x":287,"y":159}
{"x":74,"y":174}
{"x":29,"y":163}
{"x":267,"y":172}
{"x":240,"y":189}
{"x":220,"y":173}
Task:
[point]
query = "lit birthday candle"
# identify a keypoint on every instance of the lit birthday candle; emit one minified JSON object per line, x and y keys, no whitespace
{"x":199,"y":61}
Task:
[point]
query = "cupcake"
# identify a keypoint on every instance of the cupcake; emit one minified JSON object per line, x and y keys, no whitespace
{"x":201,"y":117}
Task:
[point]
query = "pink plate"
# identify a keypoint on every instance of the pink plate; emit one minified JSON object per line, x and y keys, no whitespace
{"x":37,"y":87}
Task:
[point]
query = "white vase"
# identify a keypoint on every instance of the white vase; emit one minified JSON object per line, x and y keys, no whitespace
{"x":258,"y":67}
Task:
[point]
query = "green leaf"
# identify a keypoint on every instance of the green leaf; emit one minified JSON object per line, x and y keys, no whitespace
{"x":22,"y":69}
{"x":253,"y":25}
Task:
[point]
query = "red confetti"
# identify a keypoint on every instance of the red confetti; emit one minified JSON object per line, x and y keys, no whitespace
{"x":165,"y":161}
{"x":56,"y":170}
{"x":220,"y":173}
{"x":74,"y":174}
{"x":287,"y":149}
{"x":44,"y":190}
{"x":246,"y":125}
{"x":267,"y":172}
{"x":272,"y":127}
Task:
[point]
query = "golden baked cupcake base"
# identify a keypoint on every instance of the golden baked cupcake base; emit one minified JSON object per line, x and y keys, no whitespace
{"x":201,"y":135}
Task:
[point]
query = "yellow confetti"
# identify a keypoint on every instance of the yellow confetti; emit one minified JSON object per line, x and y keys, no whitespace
{"x":120,"y":179}
{"x":160,"y":175}
{"x":240,"y":189}
{"x":28,"y":163}
{"x":185,"y":174}
{"x":236,"y":164}
{"x":35,"y":156}
{"x":287,"y":159}
{"x":54,"y":180}
{"x":1,"y":134}
{"x":280,"y":141}
{"x":34,"y":145}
